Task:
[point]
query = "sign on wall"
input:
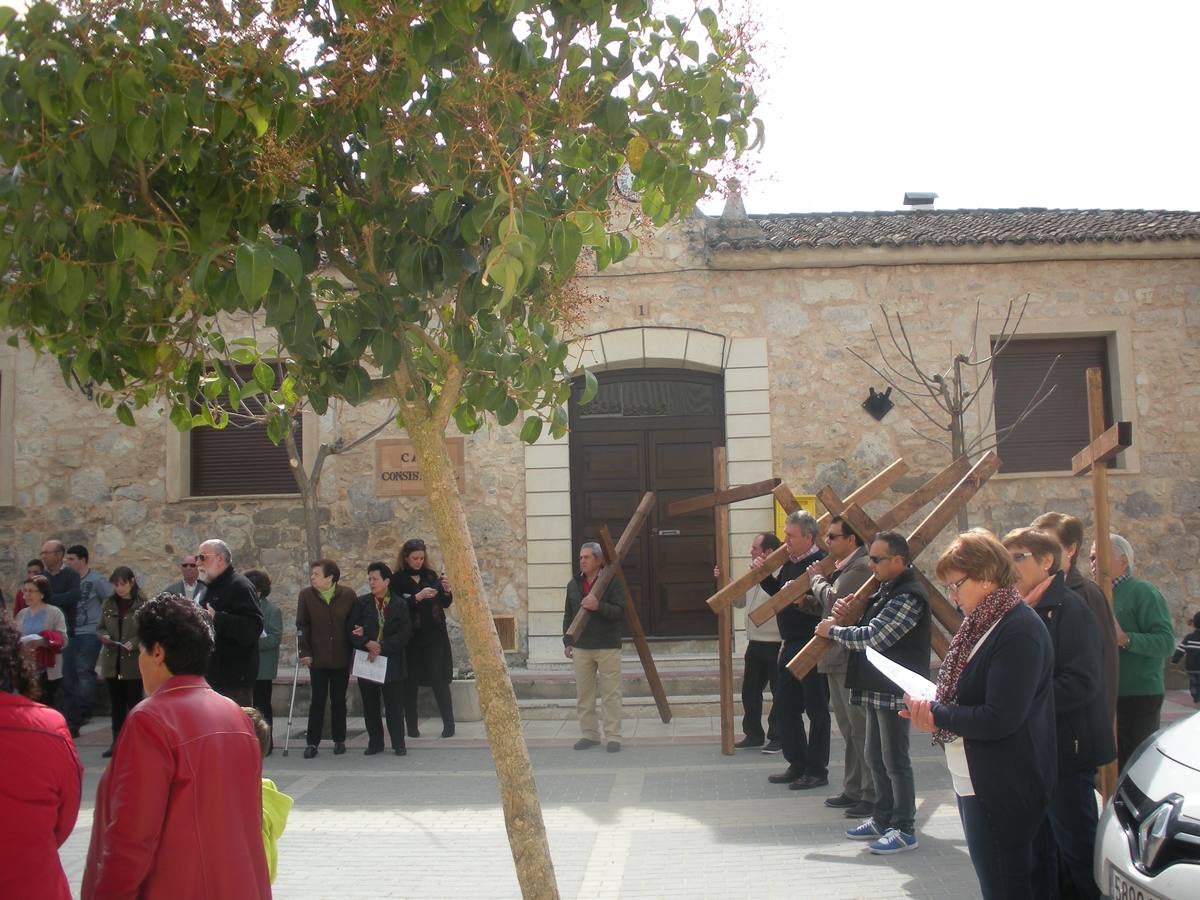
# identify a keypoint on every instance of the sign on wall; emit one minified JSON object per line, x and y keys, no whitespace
{"x":808,"y":503}
{"x":397,"y":473}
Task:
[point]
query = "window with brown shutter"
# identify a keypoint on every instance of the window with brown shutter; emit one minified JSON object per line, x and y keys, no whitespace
{"x":1058,"y":429}
{"x":240,"y":459}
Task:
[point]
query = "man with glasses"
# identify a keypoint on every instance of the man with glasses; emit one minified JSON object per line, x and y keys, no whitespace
{"x":189,"y":585}
{"x":1145,"y":638}
{"x":851,"y":570}
{"x":807,"y":755}
{"x":230,"y":603}
{"x":897,"y":624}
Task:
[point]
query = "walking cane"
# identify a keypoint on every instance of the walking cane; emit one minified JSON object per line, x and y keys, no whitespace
{"x":292,"y":706}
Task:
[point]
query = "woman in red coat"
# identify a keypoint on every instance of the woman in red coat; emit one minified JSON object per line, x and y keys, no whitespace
{"x":40,"y":783}
{"x":179,"y":810}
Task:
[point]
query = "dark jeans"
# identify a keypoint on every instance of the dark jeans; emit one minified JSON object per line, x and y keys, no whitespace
{"x":441,"y":693}
{"x":262,"y":702}
{"x":1137,"y":719}
{"x":1004,"y":869}
{"x":79,"y":658}
{"x":331,"y":683}
{"x":1065,"y":842}
{"x":391,"y":697}
{"x":123,"y":695}
{"x":795,"y":699}
{"x":762,"y":670}
{"x":891,"y":770}
{"x":49,"y":688}
{"x":1194,"y":686}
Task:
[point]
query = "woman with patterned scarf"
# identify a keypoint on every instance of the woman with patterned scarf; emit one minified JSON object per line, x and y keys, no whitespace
{"x":994,"y":714}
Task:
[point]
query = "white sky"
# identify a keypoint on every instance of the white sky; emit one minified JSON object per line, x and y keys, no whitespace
{"x":1054,"y":103}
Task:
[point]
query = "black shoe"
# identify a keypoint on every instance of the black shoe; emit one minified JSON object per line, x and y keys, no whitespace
{"x":586,"y":744}
{"x":87,"y":717}
{"x":74,"y":732}
{"x":787,"y":776}
{"x":808,"y":782}
{"x":401,"y":751}
{"x":860,"y":810}
{"x":613,"y":747}
{"x":448,"y":731}
{"x":841,"y":801}
{"x":310,"y":751}
{"x":371,"y":751}
{"x":339,"y":747}
{"x":414,"y":732}
{"x":107,"y":754}
{"x":747,"y":743}
{"x":773,"y":747}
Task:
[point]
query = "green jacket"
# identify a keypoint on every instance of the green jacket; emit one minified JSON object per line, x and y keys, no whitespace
{"x":1142,"y":614}
{"x":603,"y":629}
{"x":116,"y":661}
{"x":268,"y":642}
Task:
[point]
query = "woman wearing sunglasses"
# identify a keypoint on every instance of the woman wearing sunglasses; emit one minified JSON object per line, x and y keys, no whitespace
{"x":994,"y":714}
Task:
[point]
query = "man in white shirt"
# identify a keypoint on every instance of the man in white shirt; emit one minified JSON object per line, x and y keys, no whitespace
{"x":761,"y":660}
{"x":189,"y":585}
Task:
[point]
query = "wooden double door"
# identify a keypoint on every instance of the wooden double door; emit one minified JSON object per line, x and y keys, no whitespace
{"x":652,"y":434}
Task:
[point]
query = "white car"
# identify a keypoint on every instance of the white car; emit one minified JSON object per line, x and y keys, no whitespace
{"x":1148,"y":842}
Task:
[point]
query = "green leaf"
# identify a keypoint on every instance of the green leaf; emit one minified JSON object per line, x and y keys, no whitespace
{"x":386,"y":348}
{"x":71,"y":295}
{"x":288,"y":262}
{"x":103,"y":139}
{"x":264,"y":376}
{"x":558,"y":422}
{"x":345,"y":322}
{"x":140,"y":137}
{"x":174,"y":123}
{"x":531,"y":430}
{"x":7,"y":14}
{"x":357,"y":386}
{"x":125,"y":415}
{"x":507,"y":411}
{"x":255,"y":266}
{"x":590,"y":387}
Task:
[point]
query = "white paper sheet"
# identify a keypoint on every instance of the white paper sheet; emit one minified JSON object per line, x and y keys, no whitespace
{"x":907,"y":680}
{"x":365,"y":668}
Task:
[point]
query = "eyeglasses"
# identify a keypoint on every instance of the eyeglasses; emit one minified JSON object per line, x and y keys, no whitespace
{"x":201,"y":557}
{"x":833,"y":535}
{"x":187,"y":565}
{"x":878,"y":559}
{"x":1021,"y":557}
{"x":953,"y":587}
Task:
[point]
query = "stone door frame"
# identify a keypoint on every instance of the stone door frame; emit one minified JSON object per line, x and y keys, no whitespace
{"x":742,"y":361}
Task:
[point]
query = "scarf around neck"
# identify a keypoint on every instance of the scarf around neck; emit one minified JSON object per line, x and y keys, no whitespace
{"x":991,"y":609}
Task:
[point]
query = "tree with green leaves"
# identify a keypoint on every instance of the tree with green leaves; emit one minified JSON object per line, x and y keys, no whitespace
{"x":399,"y":192}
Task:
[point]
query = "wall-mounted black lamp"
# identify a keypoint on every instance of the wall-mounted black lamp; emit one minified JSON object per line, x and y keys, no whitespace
{"x":879,"y":405}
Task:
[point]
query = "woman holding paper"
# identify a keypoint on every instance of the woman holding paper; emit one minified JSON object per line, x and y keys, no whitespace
{"x":1085,"y":735}
{"x":379,"y":630}
{"x":43,"y":630}
{"x":429,"y":658}
{"x":994,"y":714}
{"x":322,"y":611}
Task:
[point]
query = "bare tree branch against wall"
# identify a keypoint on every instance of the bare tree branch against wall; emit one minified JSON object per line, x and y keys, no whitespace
{"x":941,"y":397}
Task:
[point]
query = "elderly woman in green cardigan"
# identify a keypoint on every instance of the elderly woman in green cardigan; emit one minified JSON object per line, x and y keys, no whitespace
{"x":268,"y":649}
{"x":1145,"y":638}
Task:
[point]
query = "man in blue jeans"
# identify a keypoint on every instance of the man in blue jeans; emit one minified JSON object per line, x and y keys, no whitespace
{"x":84,"y":648}
{"x":897,"y":624}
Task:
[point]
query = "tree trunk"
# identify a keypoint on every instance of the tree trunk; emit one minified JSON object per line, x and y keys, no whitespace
{"x":510,"y":755}
{"x":308,"y":486}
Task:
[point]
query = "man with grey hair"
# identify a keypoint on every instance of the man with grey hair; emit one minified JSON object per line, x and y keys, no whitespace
{"x":597,"y":652}
{"x":807,"y":755}
{"x":229,"y":602}
{"x":1145,"y":640}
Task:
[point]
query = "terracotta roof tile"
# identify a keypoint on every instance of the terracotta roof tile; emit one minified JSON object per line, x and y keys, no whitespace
{"x":950,"y":227}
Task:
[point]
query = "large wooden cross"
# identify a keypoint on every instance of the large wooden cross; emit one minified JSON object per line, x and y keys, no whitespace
{"x":939,"y":517}
{"x":613,"y":555}
{"x":1105,"y":445}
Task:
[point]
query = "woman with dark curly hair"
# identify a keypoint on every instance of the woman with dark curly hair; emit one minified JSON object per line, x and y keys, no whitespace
{"x":38,"y":808}
{"x":185,"y":773}
{"x":429,"y":657}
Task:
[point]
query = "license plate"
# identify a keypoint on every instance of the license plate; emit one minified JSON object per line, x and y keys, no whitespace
{"x":1124,"y":889}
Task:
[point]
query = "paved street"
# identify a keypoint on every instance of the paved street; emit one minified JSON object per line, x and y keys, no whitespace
{"x":667,"y":817}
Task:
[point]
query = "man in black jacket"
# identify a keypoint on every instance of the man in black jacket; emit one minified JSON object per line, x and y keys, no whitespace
{"x":597,"y":652}
{"x":237,"y":623}
{"x":896,"y":623}
{"x":807,"y":755}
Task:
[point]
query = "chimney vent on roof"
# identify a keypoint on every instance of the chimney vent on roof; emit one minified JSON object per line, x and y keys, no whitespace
{"x":916,"y":199}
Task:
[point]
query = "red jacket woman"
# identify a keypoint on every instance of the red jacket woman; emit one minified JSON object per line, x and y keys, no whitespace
{"x":40,"y":787}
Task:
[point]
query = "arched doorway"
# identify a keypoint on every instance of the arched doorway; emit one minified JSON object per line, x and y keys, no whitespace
{"x":651,"y":430}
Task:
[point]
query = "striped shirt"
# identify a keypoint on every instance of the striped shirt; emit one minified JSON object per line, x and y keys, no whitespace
{"x":897,"y":618}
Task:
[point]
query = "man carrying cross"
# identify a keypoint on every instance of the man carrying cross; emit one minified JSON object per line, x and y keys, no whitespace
{"x":807,"y":755}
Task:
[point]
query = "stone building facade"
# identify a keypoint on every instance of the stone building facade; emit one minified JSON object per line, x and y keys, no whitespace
{"x":767,"y":309}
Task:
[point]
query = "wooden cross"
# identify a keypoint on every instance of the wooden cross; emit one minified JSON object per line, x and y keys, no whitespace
{"x":610,"y":570}
{"x":931,"y":489}
{"x":1105,"y":445}
{"x":939,"y":517}
{"x":635,"y":629}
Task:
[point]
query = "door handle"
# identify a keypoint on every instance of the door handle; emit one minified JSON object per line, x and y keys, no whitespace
{"x":667,"y":532}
